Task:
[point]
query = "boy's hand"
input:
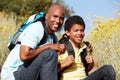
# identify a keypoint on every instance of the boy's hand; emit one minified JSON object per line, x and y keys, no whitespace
{"x":89,"y":49}
{"x":89,"y":59}
{"x":68,"y":61}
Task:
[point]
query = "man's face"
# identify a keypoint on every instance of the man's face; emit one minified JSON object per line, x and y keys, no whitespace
{"x":55,"y":19}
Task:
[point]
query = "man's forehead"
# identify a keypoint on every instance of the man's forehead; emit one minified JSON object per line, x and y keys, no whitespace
{"x":56,"y":7}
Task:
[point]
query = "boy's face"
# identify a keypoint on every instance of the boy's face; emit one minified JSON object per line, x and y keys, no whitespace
{"x":76,"y":34}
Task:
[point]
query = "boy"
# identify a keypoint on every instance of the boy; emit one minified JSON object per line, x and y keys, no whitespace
{"x":77,"y":66}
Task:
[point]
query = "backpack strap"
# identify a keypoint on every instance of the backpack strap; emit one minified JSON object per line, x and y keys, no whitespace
{"x":83,"y":54}
{"x":68,"y":46}
{"x":45,"y":36}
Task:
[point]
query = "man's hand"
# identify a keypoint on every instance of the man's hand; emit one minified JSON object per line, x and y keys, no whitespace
{"x":58,"y":47}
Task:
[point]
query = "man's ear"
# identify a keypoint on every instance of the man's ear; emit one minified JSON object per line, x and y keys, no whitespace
{"x":47,"y":16}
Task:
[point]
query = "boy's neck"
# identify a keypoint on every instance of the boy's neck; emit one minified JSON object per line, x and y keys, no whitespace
{"x":75,"y":45}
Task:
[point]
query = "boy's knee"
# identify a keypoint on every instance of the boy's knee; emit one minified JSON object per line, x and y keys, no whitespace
{"x":110,"y":69}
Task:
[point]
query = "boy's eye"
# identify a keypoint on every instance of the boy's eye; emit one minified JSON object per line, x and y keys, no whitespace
{"x":76,"y":30}
{"x":82,"y":30}
{"x":55,"y":16}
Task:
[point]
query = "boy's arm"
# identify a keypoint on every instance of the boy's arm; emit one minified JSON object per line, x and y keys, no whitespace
{"x":89,"y":58}
{"x":91,"y":65}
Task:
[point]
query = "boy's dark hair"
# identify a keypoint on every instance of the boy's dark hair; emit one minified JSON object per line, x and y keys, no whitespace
{"x":73,"y":20}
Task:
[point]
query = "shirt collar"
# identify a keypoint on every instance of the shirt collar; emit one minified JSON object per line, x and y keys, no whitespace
{"x":82,"y":46}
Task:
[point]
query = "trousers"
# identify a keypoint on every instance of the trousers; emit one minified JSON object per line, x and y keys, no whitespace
{"x":106,"y":72}
{"x":43,"y":67}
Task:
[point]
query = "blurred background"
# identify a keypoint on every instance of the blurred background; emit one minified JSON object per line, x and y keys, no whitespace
{"x":102,"y":18}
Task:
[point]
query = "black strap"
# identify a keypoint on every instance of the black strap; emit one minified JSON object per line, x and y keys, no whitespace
{"x":68,"y":46}
{"x":83,"y":54}
{"x":45,"y":36}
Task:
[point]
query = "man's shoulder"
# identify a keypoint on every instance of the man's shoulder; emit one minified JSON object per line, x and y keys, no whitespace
{"x":37,"y":26}
{"x":35,"y":29}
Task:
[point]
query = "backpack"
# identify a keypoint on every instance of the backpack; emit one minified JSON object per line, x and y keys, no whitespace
{"x":14,"y":39}
{"x":70,"y":51}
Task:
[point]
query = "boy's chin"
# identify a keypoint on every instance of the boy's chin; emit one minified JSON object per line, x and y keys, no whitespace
{"x":78,"y":42}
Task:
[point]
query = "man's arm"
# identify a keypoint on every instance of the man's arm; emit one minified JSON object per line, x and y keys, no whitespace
{"x":27,"y":53}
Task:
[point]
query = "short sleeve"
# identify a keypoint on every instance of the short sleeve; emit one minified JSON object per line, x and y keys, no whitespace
{"x":32,"y":35}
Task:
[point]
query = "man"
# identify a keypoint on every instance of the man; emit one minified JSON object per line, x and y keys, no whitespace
{"x":27,"y":61}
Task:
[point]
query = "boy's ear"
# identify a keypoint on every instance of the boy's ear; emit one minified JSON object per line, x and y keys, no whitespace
{"x":67,"y":32}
